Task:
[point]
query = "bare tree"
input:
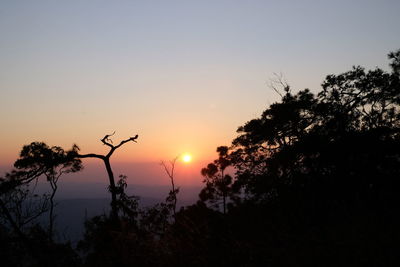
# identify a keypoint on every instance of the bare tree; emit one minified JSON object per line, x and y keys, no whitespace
{"x":174,"y":191}
{"x":106,"y":159}
{"x":278,"y":83}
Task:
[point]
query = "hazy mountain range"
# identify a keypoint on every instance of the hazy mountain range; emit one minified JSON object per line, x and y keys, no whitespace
{"x":92,"y":199}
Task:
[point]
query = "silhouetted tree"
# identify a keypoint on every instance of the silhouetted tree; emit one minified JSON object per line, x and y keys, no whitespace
{"x":321,"y":170}
{"x":106,"y":159}
{"x":315,"y":183}
{"x":36,"y":160}
{"x":307,"y":136}
{"x":171,"y":199}
{"x":218,"y":183}
{"x":22,"y":208}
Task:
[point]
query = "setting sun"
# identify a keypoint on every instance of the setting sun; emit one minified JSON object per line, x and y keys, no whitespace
{"x":187,"y":158}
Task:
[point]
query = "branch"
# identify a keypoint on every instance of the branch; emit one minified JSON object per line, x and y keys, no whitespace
{"x":10,"y":219}
{"x":39,"y":212}
{"x":107,"y":141}
{"x":133,"y":139}
{"x":16,"y":178}
{"x":166,"y":170}
{"x":279,"y":81}
{"x":172,"y":163}
{"x":91,"y":155}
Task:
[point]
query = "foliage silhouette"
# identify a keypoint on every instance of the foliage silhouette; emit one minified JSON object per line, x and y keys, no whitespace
{"x":314,"y":181}
{"x":218,"y":183}
{"x":28,"y":244}
{"x":36,"y":160}
{"x":106,"y":140}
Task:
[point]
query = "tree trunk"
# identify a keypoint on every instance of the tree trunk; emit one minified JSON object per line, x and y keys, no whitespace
{"x":114,"y":208}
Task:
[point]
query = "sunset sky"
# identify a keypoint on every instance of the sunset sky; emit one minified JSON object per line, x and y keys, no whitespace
{"x":181,"y":74}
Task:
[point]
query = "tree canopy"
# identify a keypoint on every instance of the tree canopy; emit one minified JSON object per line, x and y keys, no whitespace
{"x":314,"y":180}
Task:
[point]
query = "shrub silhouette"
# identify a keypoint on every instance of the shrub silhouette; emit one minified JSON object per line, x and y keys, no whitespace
{"x":315,"y":182}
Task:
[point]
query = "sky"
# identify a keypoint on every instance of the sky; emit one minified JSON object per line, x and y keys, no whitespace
{"x":183,"y":75}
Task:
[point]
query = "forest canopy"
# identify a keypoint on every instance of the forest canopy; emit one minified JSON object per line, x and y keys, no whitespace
{"x":314,"y":180}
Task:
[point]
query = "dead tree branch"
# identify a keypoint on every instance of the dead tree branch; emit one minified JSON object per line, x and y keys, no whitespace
{"x":174,"y":191}
{"x":106,"y":159}
{"x":279,"y":83}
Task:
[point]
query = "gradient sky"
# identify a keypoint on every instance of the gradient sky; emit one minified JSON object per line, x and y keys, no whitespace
{"x":181,"y":74}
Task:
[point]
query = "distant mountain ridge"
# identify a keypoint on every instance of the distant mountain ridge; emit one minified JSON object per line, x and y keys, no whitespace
{"x":72,"y":213}
{"x":78,"y":202}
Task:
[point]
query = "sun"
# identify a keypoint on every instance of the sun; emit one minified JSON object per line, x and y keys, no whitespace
{"x":187,"y":158}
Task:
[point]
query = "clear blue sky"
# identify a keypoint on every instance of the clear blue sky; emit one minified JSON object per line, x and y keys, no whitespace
{"x":182,"y":74}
